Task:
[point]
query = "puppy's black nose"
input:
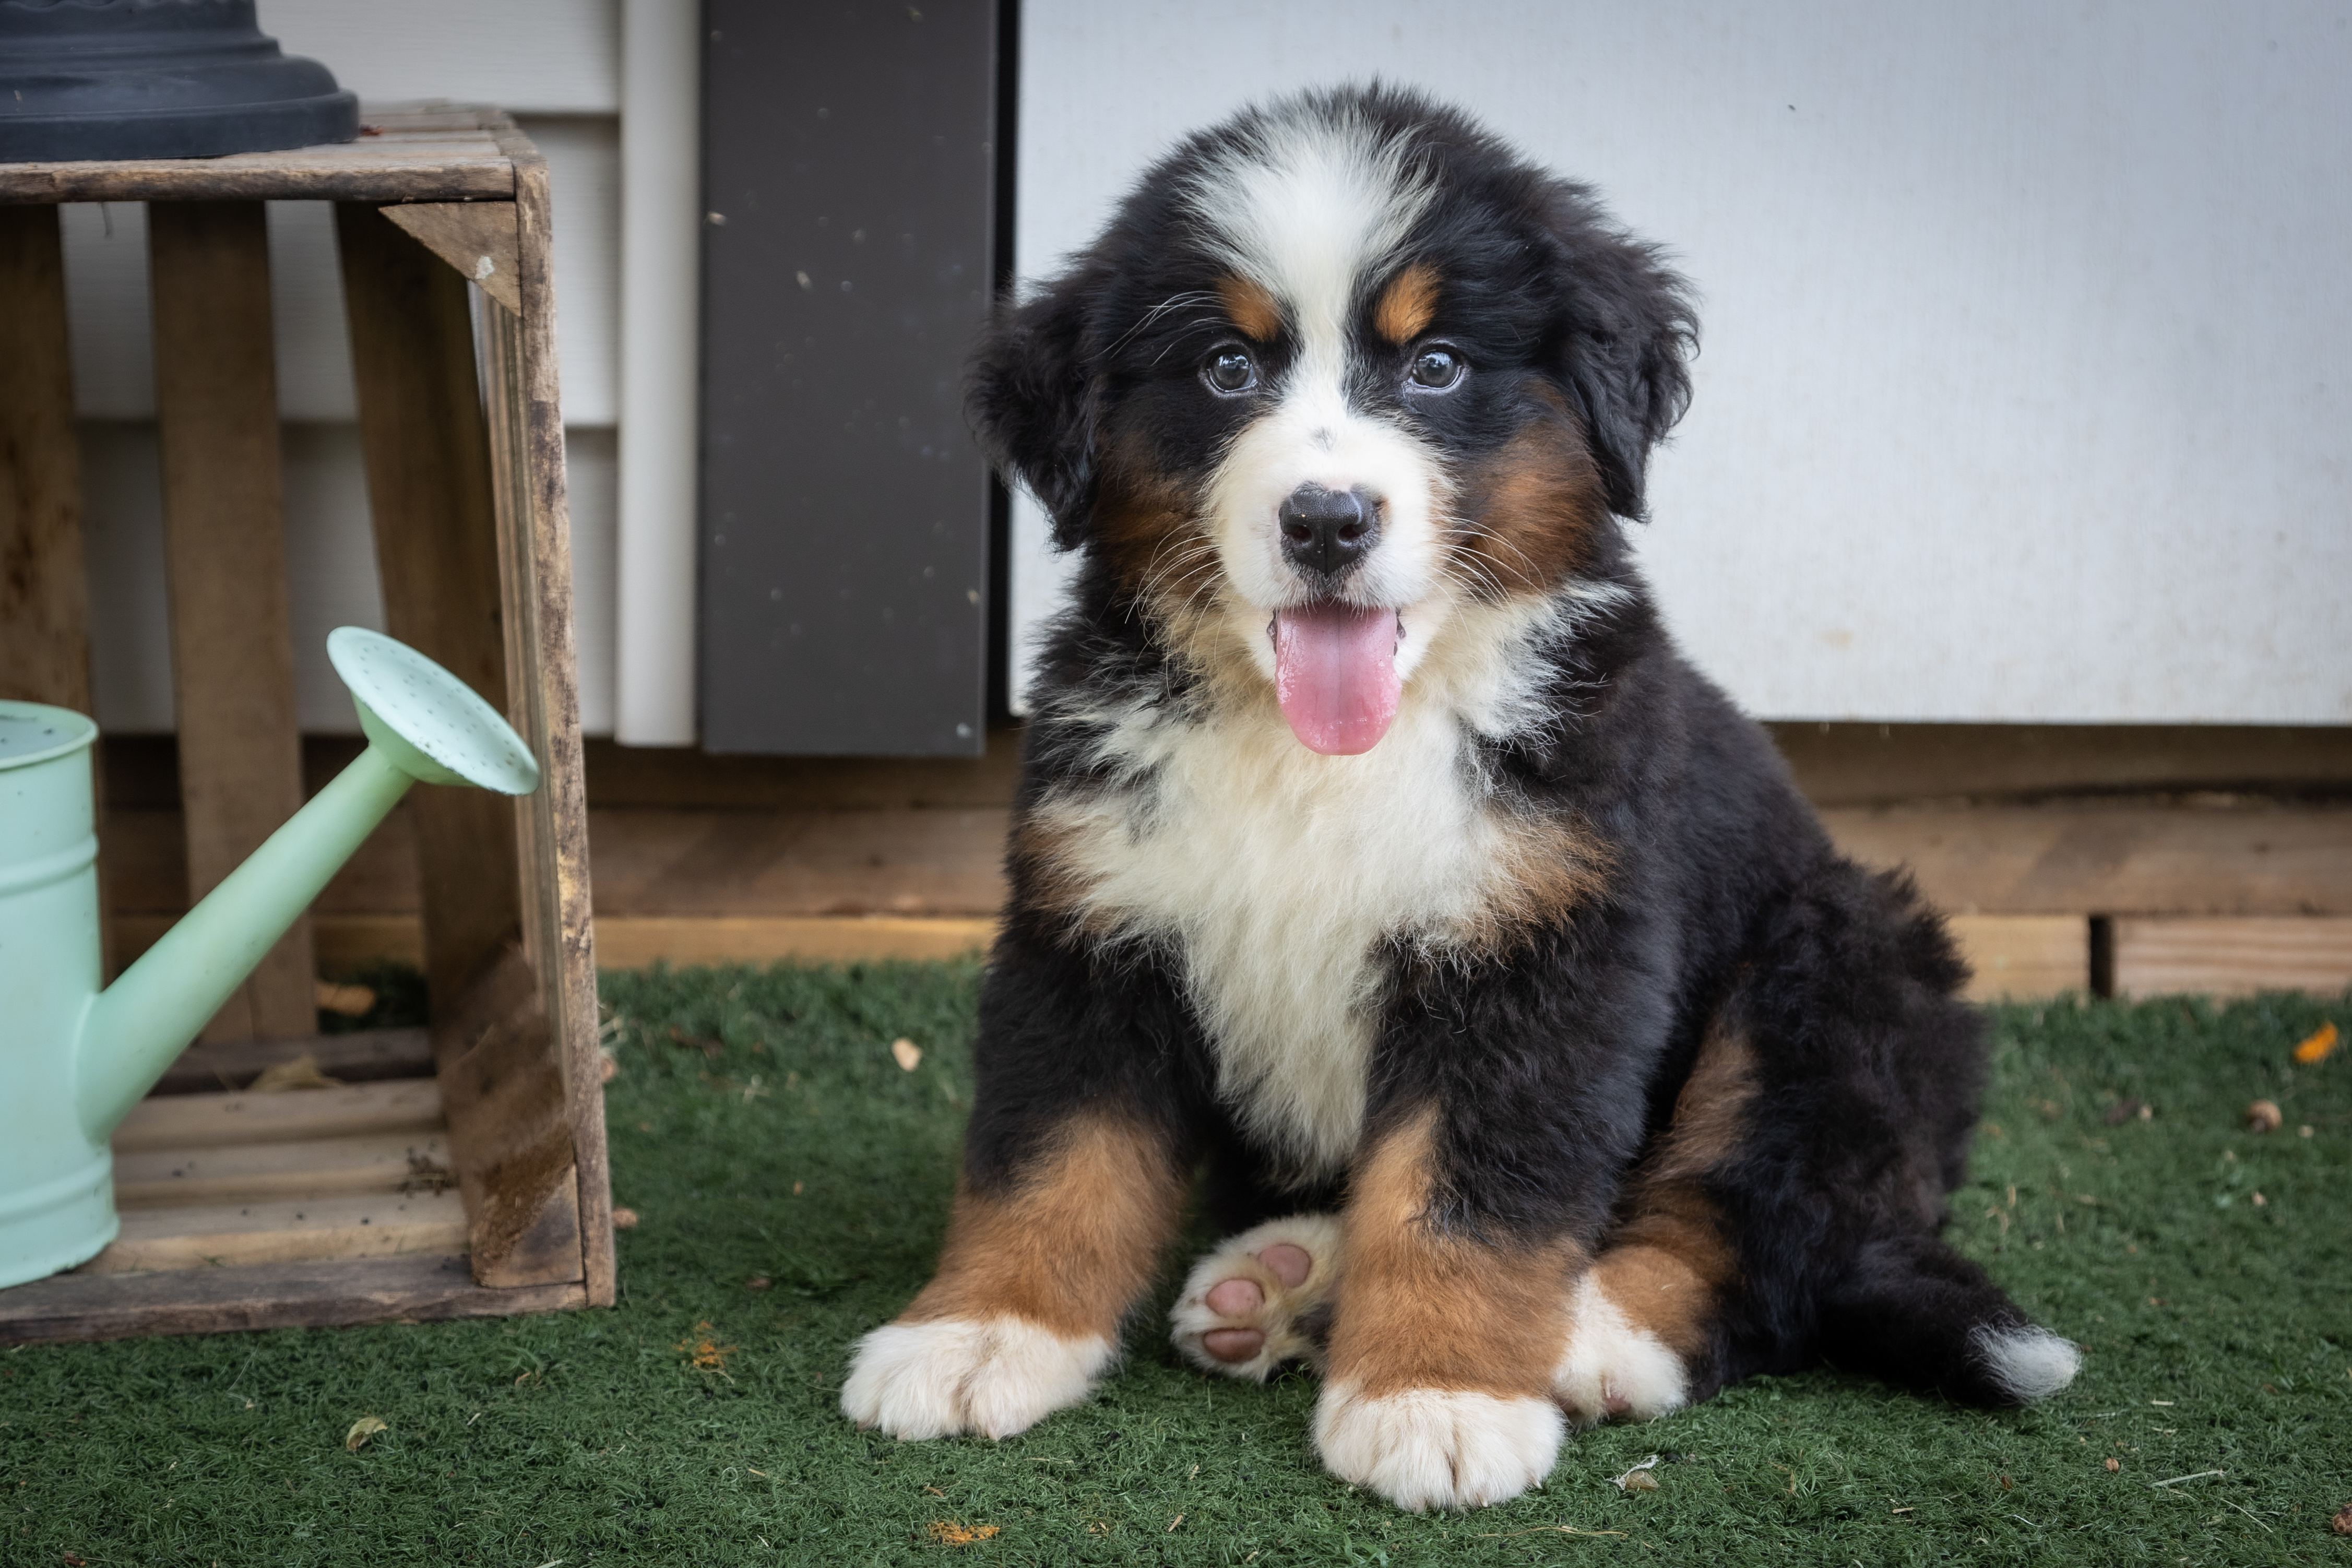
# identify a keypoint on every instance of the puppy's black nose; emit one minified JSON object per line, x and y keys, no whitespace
{"x":1327,"y":531}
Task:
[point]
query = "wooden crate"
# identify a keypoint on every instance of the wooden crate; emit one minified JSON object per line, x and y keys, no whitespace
{"x":336,"y":1206}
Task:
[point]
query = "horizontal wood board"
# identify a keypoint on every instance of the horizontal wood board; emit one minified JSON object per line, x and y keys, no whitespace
{"x":420,"y":153}
{"x":2154,"y":956}
{"x":416,"y":1289}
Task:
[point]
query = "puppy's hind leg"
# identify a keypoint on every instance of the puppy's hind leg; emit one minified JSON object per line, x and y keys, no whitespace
{"x":1645,"y":1338}
{"x":1260,"y":1298}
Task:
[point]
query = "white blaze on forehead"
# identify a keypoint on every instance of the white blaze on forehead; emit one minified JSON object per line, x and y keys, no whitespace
{"x":1312,"y":206}
{"x":1308,"y":206}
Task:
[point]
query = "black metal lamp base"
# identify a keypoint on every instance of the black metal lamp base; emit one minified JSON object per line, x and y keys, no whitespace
{"x":156,"y":78}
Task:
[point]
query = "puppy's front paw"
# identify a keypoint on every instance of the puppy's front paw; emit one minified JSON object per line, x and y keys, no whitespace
{"x":1614,"y":1368}
{"x":1256,"y":1301}
{"x":995,"y":1376}
{"x":1427,"y":1448}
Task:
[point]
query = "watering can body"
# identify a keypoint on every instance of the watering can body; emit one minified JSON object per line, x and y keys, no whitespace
{"x":75,"y":1059}
{"x":56,"y":1183}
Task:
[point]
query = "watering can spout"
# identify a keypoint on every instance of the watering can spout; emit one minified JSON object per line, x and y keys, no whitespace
{"x":423,"y":724}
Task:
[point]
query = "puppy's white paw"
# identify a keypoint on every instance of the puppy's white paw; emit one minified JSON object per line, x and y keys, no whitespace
{"x":995,"y":1376}
{"x":1428,"y":1447}
{"x":1244,"y":1308}
{"x":1613,"y":1368}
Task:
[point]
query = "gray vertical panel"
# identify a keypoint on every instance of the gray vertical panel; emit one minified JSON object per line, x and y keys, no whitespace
{"x":849,"y":170}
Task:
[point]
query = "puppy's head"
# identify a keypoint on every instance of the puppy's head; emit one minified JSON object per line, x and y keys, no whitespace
{"x":1340,"y":372}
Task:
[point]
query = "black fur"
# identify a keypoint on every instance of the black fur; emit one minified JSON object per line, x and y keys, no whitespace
{"x":1554,"y":1061}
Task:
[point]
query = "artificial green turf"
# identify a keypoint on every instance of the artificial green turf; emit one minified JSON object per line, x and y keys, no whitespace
{"x":2218,"y":1334}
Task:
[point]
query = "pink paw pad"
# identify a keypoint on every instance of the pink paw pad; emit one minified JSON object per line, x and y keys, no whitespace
{"x":1239,"y":1297}
{"x":1251,"y":1305}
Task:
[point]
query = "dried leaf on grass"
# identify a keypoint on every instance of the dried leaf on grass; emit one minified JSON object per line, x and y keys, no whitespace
{"x":708,"y":1048}
{"x":2342,"y":1523}
{"x":2263,"y":1116}
{"x":365,"y":1427}
{"x":1638,"y":1478}
{"x":302,"y":1072}
{"x":1540,"y":1529}
{"x":345,"y":1000}
{"x":948,"y":1533}
{"x":702,"y":1349}
{"x":2317,"y":1044}
{"x":909,"y":1055}
{"x":624,"y":1219}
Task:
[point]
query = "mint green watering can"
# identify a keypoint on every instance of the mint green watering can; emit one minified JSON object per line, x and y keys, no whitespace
{"x":74,"y":1059}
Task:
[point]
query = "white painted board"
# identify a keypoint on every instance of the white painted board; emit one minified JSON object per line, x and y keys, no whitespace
{"x":330,"y":565}
{"x":330,"y":562}
{"x":2024,"y":394}
{"x":528,"y":57}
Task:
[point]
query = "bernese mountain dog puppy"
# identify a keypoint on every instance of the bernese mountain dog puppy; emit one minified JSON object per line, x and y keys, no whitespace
{"x":1379,"y":863}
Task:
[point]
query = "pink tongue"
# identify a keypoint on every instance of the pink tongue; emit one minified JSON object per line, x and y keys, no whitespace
{"x":1335,"y":675}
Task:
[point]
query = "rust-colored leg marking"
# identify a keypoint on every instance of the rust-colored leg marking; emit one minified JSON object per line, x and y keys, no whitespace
{"x":1421,"y":1310}
{"x":1074,"y":1243}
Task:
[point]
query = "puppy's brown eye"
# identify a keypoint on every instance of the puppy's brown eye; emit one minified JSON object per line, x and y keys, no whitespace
{"x":1435,"y":370}
{"x":1230,"y":370}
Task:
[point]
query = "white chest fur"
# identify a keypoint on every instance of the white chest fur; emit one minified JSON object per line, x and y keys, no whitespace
{"x":1277,"y":873}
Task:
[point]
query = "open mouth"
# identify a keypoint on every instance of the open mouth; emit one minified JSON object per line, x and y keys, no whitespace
{"x":1335,"y":674}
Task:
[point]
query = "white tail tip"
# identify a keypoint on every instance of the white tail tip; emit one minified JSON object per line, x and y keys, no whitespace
{"x":2030,"y":1362}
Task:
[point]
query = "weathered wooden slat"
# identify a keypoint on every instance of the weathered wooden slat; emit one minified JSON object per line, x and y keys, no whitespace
{"x":366,"y":1057}
{"x":232,"y":642}
{"x":247,"y":1174}
{"x":510,"y":1140}
{"x":216,"y":1120}
{"x":44,"y":585}
{"x":478,"y":239}
{"x":2237,"y":957}
{"x":535,"y":537}
{"x":216,"y":1236}
{"x":407,"y":153}
{"x":422,"y":1288}
{"x":429,"y":490}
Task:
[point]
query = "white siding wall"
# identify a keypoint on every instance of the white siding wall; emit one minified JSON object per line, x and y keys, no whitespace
{"x":2024,"y":391}
{"x":554,"y":64}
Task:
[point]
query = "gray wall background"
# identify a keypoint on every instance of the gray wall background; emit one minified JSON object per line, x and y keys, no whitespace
{"x":2027,"y":328}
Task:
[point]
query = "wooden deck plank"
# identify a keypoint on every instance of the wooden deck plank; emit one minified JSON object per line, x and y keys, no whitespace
{"x":2222,"y":856}
{"x":634,"y":943}
{"x":410,"y":1290}
{"x":2022,"y":958}
{"x":211,"y":1120}
{"x":2154,"y":955}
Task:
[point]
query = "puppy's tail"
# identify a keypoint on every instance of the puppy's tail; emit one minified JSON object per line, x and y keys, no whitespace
{"x":1918,"y":1314}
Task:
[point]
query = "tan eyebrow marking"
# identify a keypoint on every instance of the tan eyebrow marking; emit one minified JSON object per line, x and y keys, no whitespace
{"x":1252,"y":310}
{"x":1407,"y":304}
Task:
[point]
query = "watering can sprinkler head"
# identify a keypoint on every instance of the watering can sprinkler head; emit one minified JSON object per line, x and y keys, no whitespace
{"x":426,"y":722}
{"x":74,"y":1060}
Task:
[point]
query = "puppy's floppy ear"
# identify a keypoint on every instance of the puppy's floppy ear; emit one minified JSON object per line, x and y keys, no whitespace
{"x":1626,"y":325}
{"x":1032,"y":400}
